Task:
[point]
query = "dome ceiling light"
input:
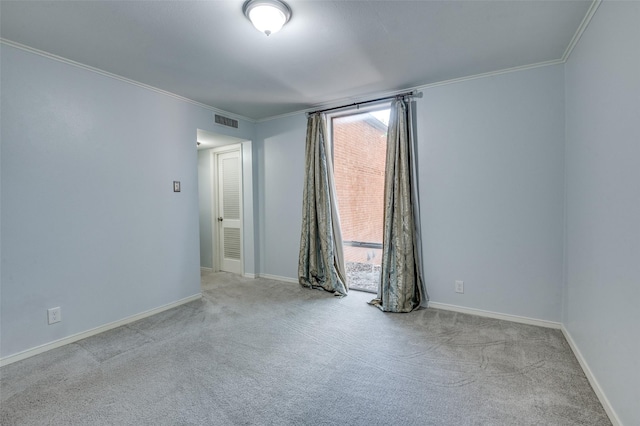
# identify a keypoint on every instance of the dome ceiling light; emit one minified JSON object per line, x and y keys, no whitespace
{"x":268,"y":16}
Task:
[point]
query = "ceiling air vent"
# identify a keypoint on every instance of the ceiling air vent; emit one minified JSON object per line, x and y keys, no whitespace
{"x":226,"y":121}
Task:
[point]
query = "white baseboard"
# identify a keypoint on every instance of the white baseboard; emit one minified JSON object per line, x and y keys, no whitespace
{"x":84,"y":334}
{"x":246,"y":275}
{"x":615,"y":421}
{"x":496,"y":315}
{"x":278,"y":278}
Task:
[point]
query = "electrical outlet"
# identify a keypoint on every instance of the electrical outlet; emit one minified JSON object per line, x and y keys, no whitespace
{"x":459,"y":287}
{"x":54,"y":315}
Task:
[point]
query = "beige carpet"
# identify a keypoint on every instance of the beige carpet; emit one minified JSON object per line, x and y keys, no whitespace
{"x":261,"y":352}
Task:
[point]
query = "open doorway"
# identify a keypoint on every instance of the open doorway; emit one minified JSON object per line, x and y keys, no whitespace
{"x":227,"y":207}
{"x":359,"y":143}
{"x":225,"y":193}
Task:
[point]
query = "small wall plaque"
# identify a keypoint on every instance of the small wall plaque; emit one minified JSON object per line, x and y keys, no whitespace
{"x":176,"y":186}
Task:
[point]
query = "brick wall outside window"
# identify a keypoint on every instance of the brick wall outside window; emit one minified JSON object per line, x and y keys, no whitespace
{"x":359,"y":154}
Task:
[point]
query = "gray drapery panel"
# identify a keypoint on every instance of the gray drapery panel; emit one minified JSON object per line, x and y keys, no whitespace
{"x":321,"y":261}
{"x":401,"y":284}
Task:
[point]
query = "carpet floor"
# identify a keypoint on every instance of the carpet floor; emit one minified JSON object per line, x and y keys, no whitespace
{"x":262,"y":352}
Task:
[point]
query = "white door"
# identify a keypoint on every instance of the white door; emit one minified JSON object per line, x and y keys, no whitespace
{"x":229,"y":167}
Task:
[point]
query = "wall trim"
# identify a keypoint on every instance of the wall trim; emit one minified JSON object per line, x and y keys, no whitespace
{"x":248,"y":275}
{"x":608,"y":408}
{"x":346,"y":100}
{"x":358,"y":99}
{"x":349,"y":100}
{"x":277,"y":278}
{"x":92,"y":332}
{"x":121,"y":78}
{"x":496,"y":315}
{"x":205,"y":269}
{"x":583,"y":26}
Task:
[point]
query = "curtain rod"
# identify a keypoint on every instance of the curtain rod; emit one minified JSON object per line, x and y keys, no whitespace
{"x":357,"y":104}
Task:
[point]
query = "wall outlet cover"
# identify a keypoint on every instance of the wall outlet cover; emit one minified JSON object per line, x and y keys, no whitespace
{"x":54,"y":315}
{"x":459,"y":287}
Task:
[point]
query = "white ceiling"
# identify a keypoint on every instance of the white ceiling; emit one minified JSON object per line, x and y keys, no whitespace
{"x":208,"y":140}
{"x":331,"y":50}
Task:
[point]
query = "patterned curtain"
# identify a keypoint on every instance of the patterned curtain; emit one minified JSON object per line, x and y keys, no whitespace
{"x":401,"y":285}
{"x":321,"y":261}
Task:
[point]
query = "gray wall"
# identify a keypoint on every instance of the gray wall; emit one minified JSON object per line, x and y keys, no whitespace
{"x":603,"y":203}
{"x":491,"y":192}
{"x":491,"y":188}
{"x":204,"y":201}
{"x":280,"y":151}
{"x":249,"y":209}
{"x":89,"y":219}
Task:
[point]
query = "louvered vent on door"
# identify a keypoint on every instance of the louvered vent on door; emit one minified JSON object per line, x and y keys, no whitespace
{"x":232,"y":243}
{"x":231,"y":188}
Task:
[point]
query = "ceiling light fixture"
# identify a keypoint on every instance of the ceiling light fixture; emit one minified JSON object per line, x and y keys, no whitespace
{"x":268,"y":16}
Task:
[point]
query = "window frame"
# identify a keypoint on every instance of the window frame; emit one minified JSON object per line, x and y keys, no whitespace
{"x":356,"y":110}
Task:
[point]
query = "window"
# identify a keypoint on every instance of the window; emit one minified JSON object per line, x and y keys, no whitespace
{"x":359,"y":142}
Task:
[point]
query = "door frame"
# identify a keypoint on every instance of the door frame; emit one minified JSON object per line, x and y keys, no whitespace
{"x":215,"y":235}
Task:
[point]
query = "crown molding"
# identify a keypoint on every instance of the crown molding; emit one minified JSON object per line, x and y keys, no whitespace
{"x":351,"y":100}
{"x":583,"y":26}
{"x":335,"y":103}
{"x":491,"y":74}
{"x":121,"y":78}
